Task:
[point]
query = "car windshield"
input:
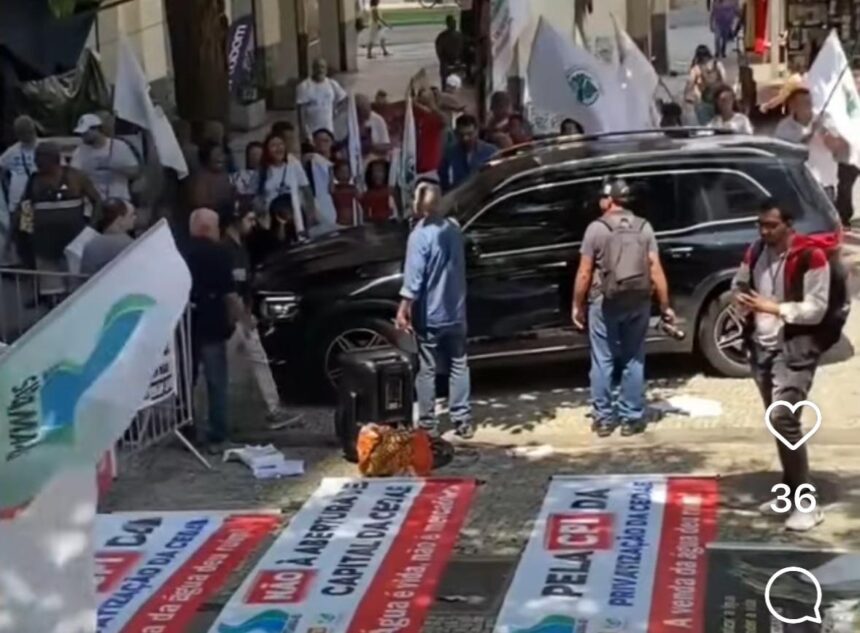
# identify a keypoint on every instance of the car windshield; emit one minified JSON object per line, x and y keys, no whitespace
{"x":465,"y":200}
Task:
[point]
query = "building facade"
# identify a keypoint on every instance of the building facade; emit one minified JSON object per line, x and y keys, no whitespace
{"x":289,"y":35}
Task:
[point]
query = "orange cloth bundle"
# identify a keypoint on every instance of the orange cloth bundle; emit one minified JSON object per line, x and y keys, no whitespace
{"x":385,"y":451}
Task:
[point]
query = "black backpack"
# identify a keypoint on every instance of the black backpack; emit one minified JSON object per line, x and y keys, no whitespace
{"x":626,"y":267}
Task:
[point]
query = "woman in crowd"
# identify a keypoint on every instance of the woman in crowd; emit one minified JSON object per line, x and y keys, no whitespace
{"x":378,"y":202}
{"x":706,"y":76}
{"x":115,"y":227}
{"x":275,"y":231}
{"x":245,"y":180}
{"x":728,"y":118}
{"x":282,"y":176}
{"x":569,"y":127}
{"x":379,"y":29}
{"x":211,"y":186}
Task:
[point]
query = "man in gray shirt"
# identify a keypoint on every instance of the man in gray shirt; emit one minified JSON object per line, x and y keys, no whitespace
{"x":118,"y":217}
{"x":619,"y":270}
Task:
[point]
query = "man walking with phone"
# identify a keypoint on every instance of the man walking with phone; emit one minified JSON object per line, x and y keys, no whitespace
{"x":795,"y":301}
{"x":433,"y":306}
{"x":619,"y":270}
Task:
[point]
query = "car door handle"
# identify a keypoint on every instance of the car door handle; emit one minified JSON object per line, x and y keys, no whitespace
{"x":680,"y":252}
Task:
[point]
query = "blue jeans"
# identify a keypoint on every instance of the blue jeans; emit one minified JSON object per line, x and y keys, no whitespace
{"x":213,"y":357}
{"x":445,"y":348}
{"x":617,"y":337}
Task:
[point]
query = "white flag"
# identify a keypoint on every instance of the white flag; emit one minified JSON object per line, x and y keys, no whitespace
{"x":831,"y":75}
{"x":356,"y":162}
{"x":408,"y":157}
{"x":638,"y":80}
{"x":71,"y":385}
{"x":569,"y":81}
{"x":132,"y":103}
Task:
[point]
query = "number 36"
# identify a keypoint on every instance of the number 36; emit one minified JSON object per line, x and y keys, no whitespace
{"x":804,"y":499}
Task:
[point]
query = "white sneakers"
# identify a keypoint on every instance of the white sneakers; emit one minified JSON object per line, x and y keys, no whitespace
{"x":797,"y":521}
{"x":804,"y":521}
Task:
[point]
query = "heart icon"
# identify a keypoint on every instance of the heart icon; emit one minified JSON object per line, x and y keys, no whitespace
{"x":793,"y":408}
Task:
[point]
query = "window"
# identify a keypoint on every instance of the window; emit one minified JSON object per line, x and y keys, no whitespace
{"x":730,"y":195}
{"x":557,"y":212}
{"x":653,"y":198}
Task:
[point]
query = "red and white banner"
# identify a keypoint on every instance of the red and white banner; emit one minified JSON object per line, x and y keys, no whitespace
{"x":154,"y":570}
{"x":360,"y":556}
{"x":616,"y":553}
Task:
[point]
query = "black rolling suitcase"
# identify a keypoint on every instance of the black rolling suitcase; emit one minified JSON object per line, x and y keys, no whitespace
{"x":376,"y":386}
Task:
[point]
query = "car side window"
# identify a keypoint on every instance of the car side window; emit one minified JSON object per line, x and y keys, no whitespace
{"x":729,"y":195}
{"x":547,"y":215}
{"x":653,"y":198}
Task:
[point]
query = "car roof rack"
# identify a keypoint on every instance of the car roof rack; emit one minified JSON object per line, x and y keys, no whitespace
{"x":577,"y":139}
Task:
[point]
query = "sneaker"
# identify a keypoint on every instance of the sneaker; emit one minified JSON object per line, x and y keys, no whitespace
{"x":629,"y":429}
{"x":283,"y":419}
{"x":804,"y":521}
{"x":767,"y":510}
{"x":603,"y":428}
{"x":432,"y":430}
{"x":464,"y":430}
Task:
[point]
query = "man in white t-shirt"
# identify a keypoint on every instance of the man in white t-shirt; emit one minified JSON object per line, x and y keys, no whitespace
{"x":374,"y":130}
{"x":317,"y":97}
{"x":16,"y":165}
{"x":818,"y":134}
{"x":110,"y":163}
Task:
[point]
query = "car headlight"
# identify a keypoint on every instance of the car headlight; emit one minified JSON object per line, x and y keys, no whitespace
{"x":281,"y":307}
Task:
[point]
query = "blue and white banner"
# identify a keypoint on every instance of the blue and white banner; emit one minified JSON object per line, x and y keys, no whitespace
{"x":71,"y":385}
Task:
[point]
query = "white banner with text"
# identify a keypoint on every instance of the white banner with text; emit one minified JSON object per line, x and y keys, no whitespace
{"x":361,"y":555}
{"x":614,"y":553}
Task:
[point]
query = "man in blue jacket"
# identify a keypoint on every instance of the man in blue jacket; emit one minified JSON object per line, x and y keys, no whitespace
{"x":465,"y":155}
{"x":434,"y":308}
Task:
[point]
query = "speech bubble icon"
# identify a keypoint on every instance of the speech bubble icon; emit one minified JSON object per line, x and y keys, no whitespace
{"x":793,"y":408}
{"x":816,"y":610}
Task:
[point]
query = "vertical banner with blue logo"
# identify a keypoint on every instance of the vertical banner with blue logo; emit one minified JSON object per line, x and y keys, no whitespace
{"x":71,"y":385}
{"x":614,"y":554}
{"x":240,"y":53}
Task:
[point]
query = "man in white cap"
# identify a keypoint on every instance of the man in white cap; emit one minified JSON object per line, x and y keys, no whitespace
{"x":110,"y":163}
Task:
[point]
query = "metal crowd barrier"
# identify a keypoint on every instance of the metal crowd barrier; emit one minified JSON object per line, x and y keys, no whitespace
{"x":26,"y":296}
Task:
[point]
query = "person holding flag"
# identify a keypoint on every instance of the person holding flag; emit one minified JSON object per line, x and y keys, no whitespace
{"x":826,"y":117}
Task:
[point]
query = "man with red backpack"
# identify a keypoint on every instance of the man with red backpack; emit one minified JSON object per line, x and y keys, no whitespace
{"x":793,"y":291}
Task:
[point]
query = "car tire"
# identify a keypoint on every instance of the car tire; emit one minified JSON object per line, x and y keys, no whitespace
{"x":365,"y":332}
{"x":717,"y":323}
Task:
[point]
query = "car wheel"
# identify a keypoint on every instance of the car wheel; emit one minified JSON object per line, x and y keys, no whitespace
{"x":721,"y":338}
{"x":362,"y":333}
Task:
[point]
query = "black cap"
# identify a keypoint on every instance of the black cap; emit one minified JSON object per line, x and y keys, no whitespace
{"x":616,"y":188}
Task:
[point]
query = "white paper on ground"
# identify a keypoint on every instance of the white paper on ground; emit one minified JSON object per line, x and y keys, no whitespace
{"x":689,"y":405}
{"x":266,"y":462}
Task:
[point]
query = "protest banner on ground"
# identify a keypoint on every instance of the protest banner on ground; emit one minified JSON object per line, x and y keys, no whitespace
{"x":738,"y":575}
{"x":361,"y":555}
{"x":153,"y":570}
{"x":614,"y":552}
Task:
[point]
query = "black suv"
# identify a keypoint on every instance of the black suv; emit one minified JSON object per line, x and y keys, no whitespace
{"x":524,"y":216}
